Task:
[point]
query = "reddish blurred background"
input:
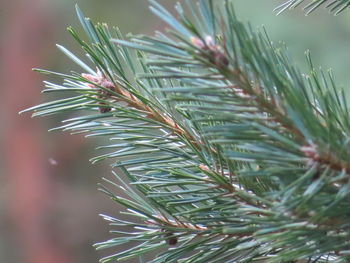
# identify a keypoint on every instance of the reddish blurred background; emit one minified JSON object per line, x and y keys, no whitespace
{"x":49,"y":204}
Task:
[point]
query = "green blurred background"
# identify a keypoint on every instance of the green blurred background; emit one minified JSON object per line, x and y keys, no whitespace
{"x":49,"y":204}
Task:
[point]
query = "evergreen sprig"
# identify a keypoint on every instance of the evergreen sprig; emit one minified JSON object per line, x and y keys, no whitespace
{"x":334,"y":6}
{"x":227,"y":153}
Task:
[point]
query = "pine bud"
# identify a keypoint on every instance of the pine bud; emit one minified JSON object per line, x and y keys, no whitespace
{"x":216,"y":55}
{"x":102,"y":81}
{"x":90,"y":77}
{"x":210,"y":43}
{"x":197,"y":42}
{"x":170,"y":238}
{"x":221,"y":59}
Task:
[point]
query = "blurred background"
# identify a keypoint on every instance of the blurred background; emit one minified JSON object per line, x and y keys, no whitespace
{"x":49,"y":204}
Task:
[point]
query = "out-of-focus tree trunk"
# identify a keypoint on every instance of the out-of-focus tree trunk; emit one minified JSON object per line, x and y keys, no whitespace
{"x":23,"y":40}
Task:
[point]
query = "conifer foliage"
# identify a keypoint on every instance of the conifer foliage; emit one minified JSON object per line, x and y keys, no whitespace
{"x":224,"y":151}
{"x":334,"y":6}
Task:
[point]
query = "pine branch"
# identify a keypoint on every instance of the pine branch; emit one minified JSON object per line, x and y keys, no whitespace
{"x":334,"y":6}
{"x":284,"y":104}
{"x":132,"y":101}
{"x":227,"y":152}
{"x":249,"y":90}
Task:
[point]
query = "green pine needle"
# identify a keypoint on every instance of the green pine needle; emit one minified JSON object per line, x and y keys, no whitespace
{"x":334,"y":6}
{"x":225,"y":151}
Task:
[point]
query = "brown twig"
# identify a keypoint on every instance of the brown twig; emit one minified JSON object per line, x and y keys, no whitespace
{"x":134,"y":102}
{"x":327,"y":159}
